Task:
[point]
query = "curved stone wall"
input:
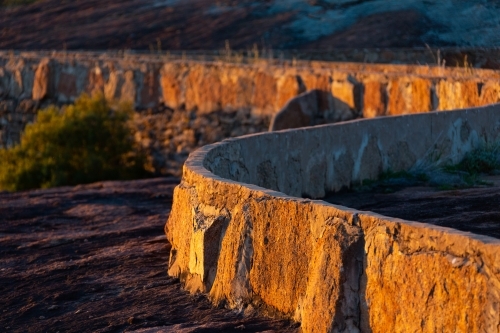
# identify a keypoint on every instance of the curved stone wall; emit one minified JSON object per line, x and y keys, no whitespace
{"x":184,"y":104}
{"x":241,"y":232}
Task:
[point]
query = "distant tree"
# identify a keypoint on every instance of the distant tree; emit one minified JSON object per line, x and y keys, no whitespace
{"x":81,"y":143}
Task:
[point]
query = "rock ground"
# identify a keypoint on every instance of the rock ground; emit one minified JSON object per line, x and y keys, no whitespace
{"x":93,"y":258}
{"x":208,"y":24}
{"x":467,"y":209}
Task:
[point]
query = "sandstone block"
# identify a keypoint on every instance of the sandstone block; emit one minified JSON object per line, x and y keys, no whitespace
{"x":490,"y":93}
{"x":113,"y":86}
{"x":288,"y":87}
{"x":438,"y":290}
{"x":264,"y":94}
{"x":237,"y":88}
{"x":409,"y":95}
{"x":346,"y":99}
{"x":374,"y":99}
{"x":457,"y":94}
{"x":42,"y":85}
{"x":95,"y":81}
{"x":203,"y":89}
{"x":172,"y":85}
{"x":128,"y":90}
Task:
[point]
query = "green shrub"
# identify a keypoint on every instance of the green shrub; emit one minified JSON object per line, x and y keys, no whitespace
{"x":482,"y":160}
{"x":82,"y":143}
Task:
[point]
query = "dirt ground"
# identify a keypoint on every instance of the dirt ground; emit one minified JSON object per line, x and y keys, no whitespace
{"x":93,"y":258}
{"x":474,"y":210}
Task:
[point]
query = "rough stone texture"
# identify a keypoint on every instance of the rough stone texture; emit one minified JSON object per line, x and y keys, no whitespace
{"x":374,"y":99}
{"x":457,"y":94}
{"x":128,"y":90}
{"x":454,"y":284}
{"x":235,"y":237}
{"x":264,"y":95}
{"x":490,"y":93}
{"x":262,"y":86}
{"x":168,"y":136}
{"x":288,"y":87}
{"x":243,"y":96}
{"x":113,"y":85}
{"x":203,"y":89}
{"x":346,"y":98}
{"x":172,"y":85}
{"x":410,"y":96}
{"x":42,"y":84}
{"x":95,"y":81}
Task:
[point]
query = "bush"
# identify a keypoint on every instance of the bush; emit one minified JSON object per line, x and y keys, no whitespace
{"x":82,"y":143}
{"x":482,"y":160}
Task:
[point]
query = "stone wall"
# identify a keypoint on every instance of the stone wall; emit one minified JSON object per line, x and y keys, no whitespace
{"x":241,"y":233}
{"x":182,"y":103}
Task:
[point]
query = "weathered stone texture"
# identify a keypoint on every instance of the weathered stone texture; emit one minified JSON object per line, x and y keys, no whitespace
{"x":113,"y":85}
{"x":374,"y":99}
{"x":42,"y":86}
{"x":288,"y":87}
{"x":95,"y":81}
{"x":436,"y":287}
{"x":332,"y":268}
{"x":346,"y":98}
{"x":172,"y":85}
{"x":457,"y":94}
{"x":490,"y":93}
{"x":203,"y":89}
{"x":264,"y":95}
{"x":409,"y":96}
{"x":128,"y":89}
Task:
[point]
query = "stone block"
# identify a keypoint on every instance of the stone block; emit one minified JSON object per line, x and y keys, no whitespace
{"x":95,"y":81}
{"x":346,"y":99}
{"x":128,"y":90}
{"x":374,"y":99}
{"x":43,"y":81}
{"x":490,"y":93}
{"x":453,"y":94}
{"x":203,"y":89}
{"x":409,"y":95}
{"x":264,"y":94}
{"x":113,"y":86}
{"x":172,"y":85}
{"x":288,"y":87}
{"x":237,"y":88}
